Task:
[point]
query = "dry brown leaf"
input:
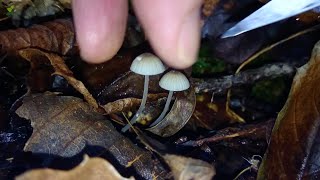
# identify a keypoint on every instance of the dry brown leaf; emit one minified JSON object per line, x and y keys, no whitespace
{"x":65,"y":126}
{"x":88,"y":169}
{"x":126,"y":104}
{"x":97,"y":76}
{"x":309,"y":17}
{"x":184,"y":168}
{"x":178,"y":116}
{"x":121,"y":105}
{"x":61,"y":69}
{"x":129,"y":85}
{"x":209,"y":6}
{"x":66,"y":3}
{"x":293,"y":152}
{"x":55,"y":36}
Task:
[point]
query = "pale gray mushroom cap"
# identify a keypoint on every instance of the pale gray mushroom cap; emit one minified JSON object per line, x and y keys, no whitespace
{"x":174,"y":81}
{"x":147,"y":64}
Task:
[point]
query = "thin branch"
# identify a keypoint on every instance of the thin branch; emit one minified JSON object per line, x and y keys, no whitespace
{"x":222,"y":84}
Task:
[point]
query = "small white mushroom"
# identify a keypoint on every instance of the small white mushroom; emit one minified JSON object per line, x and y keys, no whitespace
{"x":145,"y":64}
{"x":171,"y":81}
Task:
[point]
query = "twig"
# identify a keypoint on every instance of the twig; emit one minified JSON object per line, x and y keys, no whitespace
{"x":221,"y":85}
{"x":258,"y":131}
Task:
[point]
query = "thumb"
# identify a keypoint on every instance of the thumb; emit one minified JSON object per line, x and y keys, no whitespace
{"x":173,"y":29}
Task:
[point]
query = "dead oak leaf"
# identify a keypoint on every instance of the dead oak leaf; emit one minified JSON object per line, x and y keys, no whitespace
{"x":66,"y":126}
{"x":293,"y":152}
{"x":178,"y":116}
{"x":55,"y":36}
{"x":88,"y":169}
{"x":184,"y":168}
{"x":126,"y":104}
{"x":61,"y":69}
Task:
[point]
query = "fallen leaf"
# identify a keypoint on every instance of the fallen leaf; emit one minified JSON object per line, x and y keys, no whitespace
{"x":126,"y":104}
{"x":128,"y":85}
{"x":25,"y":10}
{"x":229,"y":49}
{"x":89,"y":169}
{"x":293,"y":152}
{"x":178,"y":116}
{"x":66,"y":3}
{"x":309,"y":17}
{"x":56,"y":36}
{"x":97,"y":76}
{"x":184,"y":168}
{"x":64,"y":126}
{"x":121,"y":105}
{"x":209,"y":112}
{"x":61,"y":69}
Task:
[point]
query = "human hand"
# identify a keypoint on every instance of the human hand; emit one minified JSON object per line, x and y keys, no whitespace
{"x":171,"y":26}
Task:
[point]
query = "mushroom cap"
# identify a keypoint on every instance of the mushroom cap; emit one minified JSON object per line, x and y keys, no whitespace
{"x":174,"y":81}
{"x":147,"y":64}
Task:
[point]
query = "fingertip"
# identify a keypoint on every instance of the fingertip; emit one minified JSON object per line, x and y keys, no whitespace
{"x":93,"y":50}
{"x":100,"y":28}
{"x":173,"y":29}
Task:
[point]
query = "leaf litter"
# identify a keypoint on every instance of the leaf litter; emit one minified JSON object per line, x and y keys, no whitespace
{"x":64,"y":126}
{"x":119,"y":95}
{"x":90,"y":168}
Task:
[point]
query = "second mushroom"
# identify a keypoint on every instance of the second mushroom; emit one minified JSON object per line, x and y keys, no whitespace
{"x":171,"y":81}
{"x":145,"y":64}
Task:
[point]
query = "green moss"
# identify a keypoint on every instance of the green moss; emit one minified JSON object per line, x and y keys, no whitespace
{"x":270,"y":91}
{"x":206,"y":64}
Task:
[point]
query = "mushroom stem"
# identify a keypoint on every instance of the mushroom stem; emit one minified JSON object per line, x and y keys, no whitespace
{"x":166,"y":107}
{"x":142,"y":105}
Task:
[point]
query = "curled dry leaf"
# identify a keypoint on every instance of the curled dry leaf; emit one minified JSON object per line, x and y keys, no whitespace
{"x":97,"y":76}
{"x":27,"y":9}
{"x":61,"y":69}
{"x":293,"y":152}
{"x":89,"y":169}
{"x":66,"y":3}
{"x":56,"y":36}
{"x":184,"y":168}
{"x":211,"y":112}
{"x":309,"y":17}
{"x":178,"y":116}
{"x":65,"y":126}
{"x":126,"y":104}
{"x":127,"y":86}
{"x":121,"y":105}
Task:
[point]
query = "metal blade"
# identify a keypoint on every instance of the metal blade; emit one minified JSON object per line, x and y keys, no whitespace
{"x":274,"y":11}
